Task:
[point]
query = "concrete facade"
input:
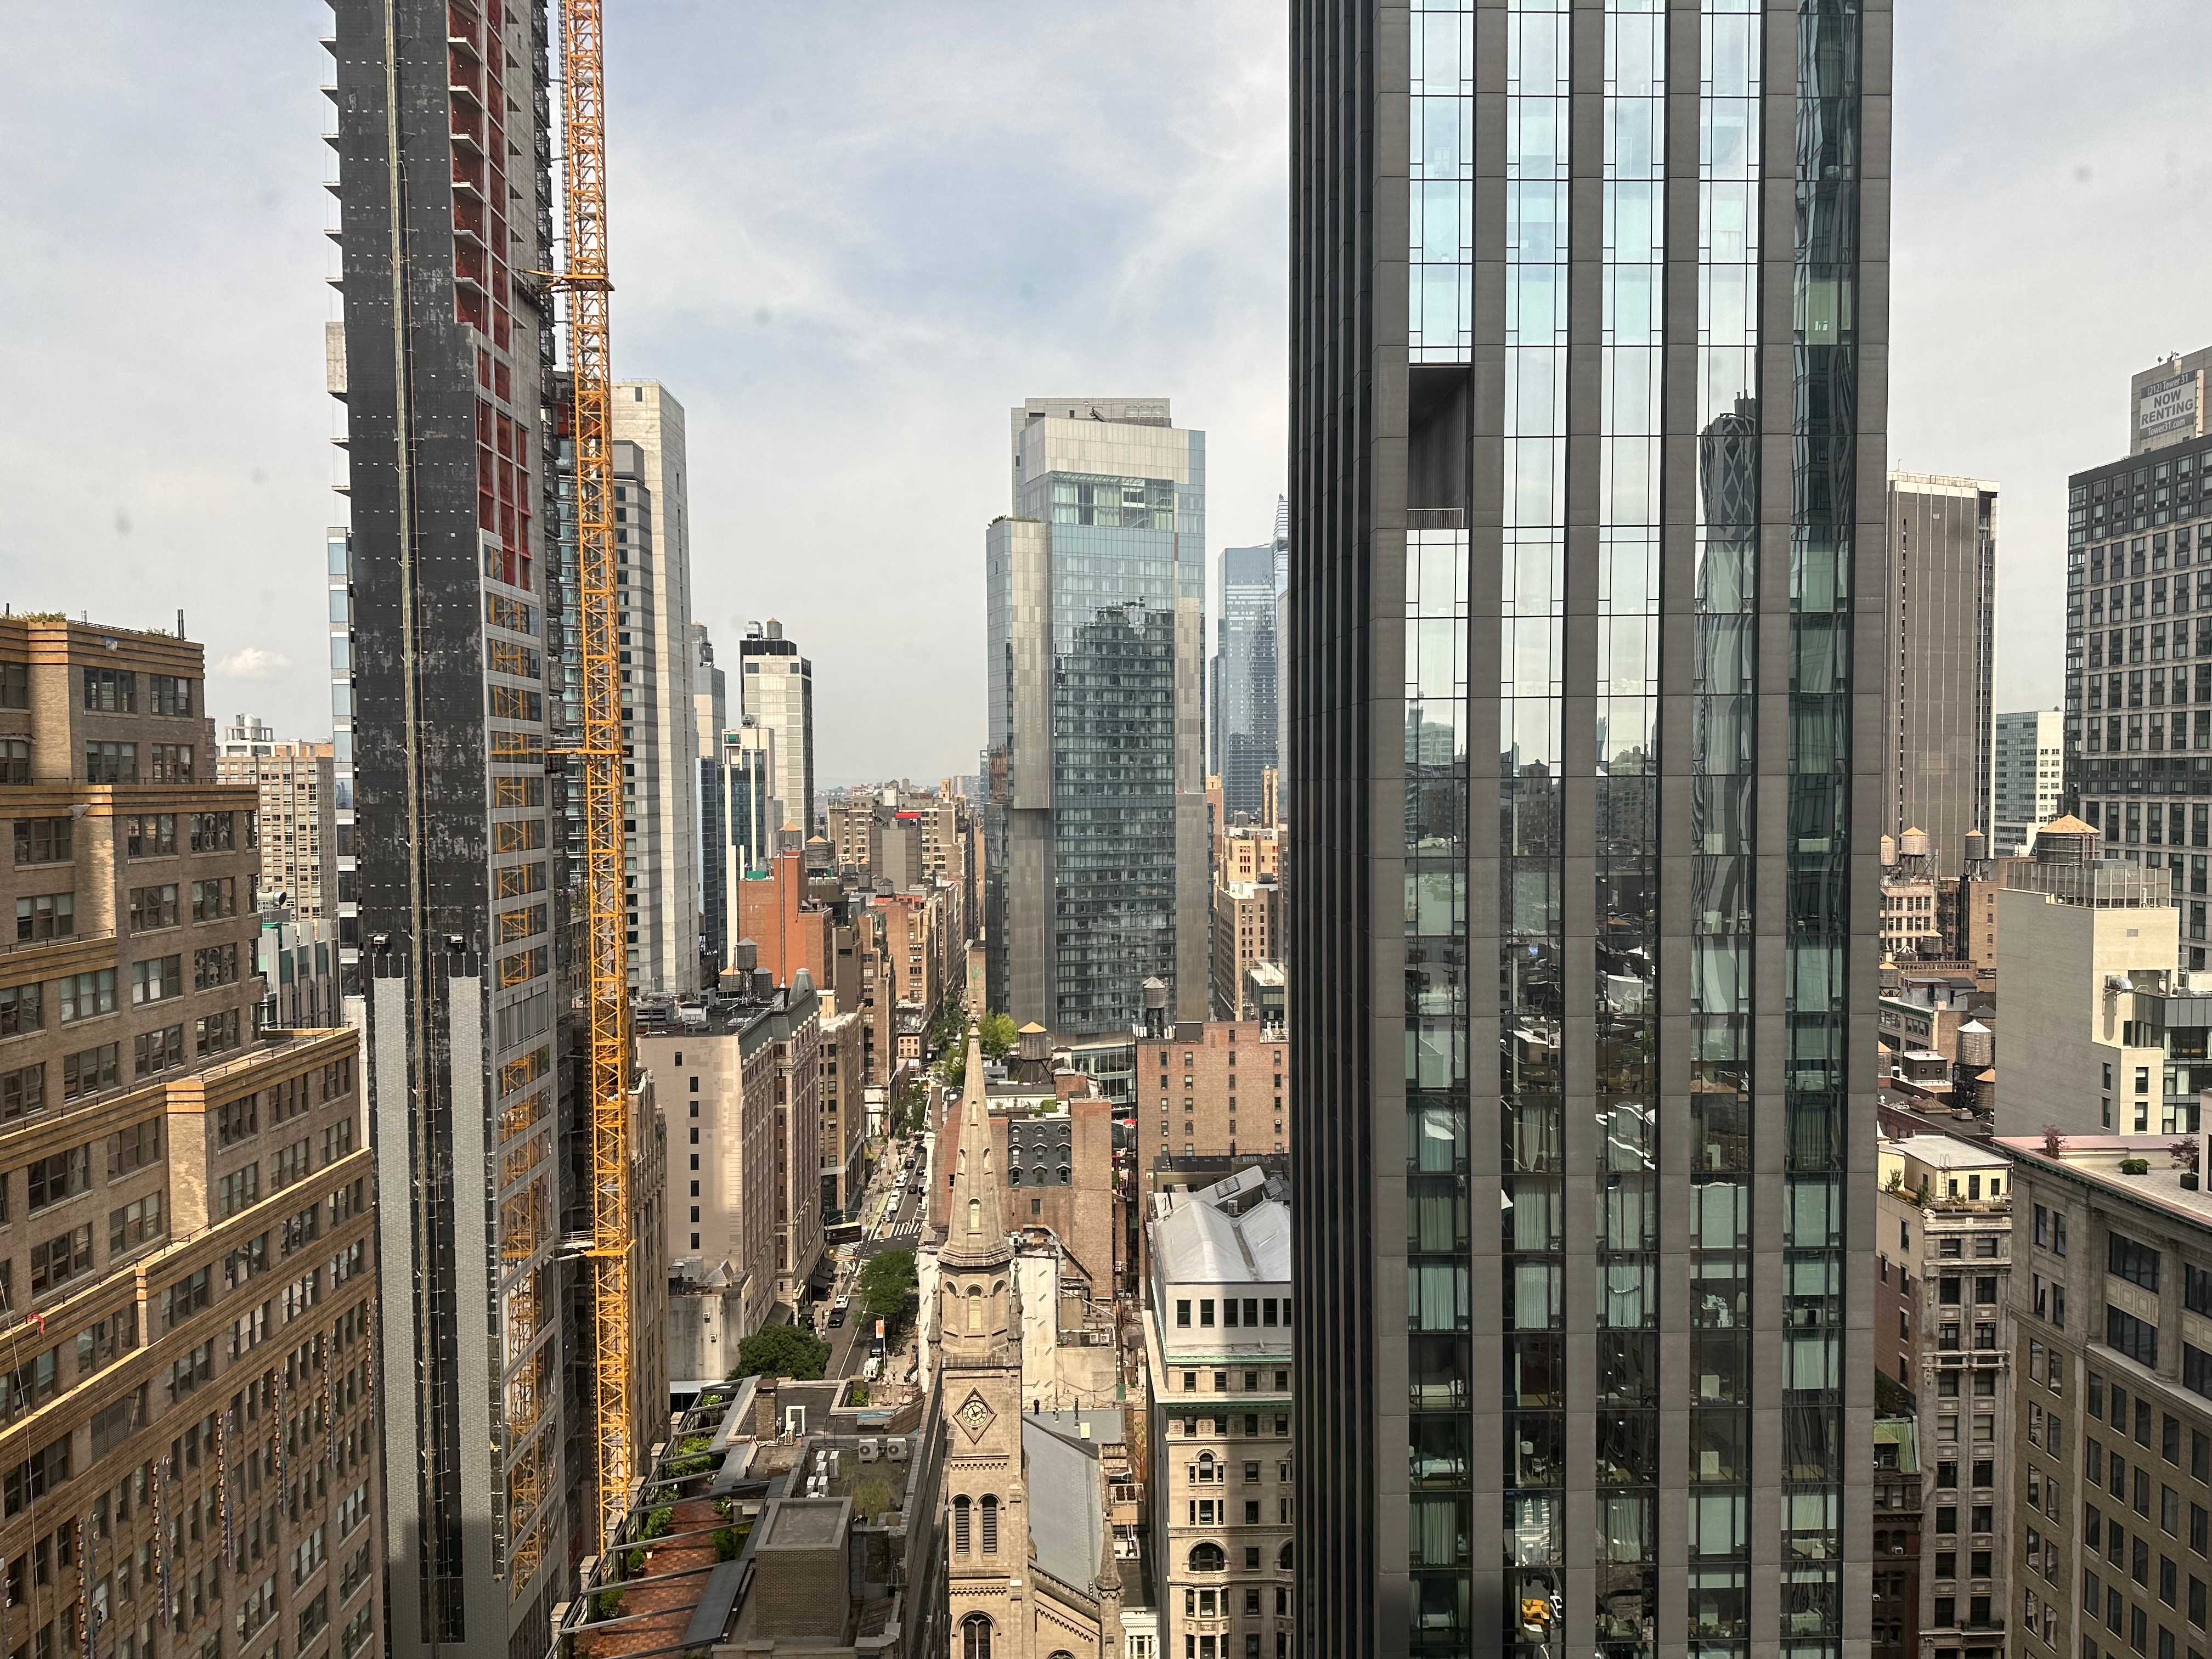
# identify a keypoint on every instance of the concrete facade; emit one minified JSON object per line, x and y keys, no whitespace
{"x":1217,"y":1349}
{"x":1937,"y":716}
{"x":2068,"y":1057}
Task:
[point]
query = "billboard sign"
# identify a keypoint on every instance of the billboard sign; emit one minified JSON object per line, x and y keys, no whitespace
{"x":2171,"y":407}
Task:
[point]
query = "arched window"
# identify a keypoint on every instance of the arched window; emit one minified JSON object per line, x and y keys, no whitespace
{"x":990,"y":1525}
{"x":1283,"y":1560}
{"x":1014,"y":1175}
{"x":974,"y":1215}
{"x":975,"y":1307}
{"x":960,"y":1526}
{"x":1208,"y":1557}
{"x":1065,"y":1177}
{"x":1202,"y":1471}
{"x":974,"y":1637}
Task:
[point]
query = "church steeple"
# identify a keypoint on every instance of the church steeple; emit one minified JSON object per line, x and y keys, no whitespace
{"x":975,"y":1231}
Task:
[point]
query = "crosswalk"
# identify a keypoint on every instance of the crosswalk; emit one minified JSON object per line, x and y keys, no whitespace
{"x":903,"y":1230}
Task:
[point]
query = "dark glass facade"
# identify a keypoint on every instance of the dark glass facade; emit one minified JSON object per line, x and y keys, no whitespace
{"x":1579,"y":486}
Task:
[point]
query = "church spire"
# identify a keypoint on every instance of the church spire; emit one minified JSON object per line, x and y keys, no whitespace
{"x":975,"y":1231}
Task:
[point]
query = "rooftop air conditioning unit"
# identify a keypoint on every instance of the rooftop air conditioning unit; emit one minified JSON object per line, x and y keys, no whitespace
{"x":871,"y":1450}
{"x":894,"y":1451}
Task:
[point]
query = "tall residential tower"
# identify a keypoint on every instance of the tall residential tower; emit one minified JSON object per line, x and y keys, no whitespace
{"x":1589,"y":334}
{"x":1095,"y":817}
{"x":2139,"y":637}
{"x":439,"y":595}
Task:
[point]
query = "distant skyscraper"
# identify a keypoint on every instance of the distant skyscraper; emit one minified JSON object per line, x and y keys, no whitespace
{"x":661,"y":773}
{"x":1937,"y":705}
{"x":2029,"y":778}
{"x":2139,"y":682}
{"x":1243,"y":727}
{"x":710,"y":714}
{"x":1588,"y":326}
{"x":1096,"y":819}
{"x":750,"y":815}
{"x":777,"y":692}
{"x":299,"y":820}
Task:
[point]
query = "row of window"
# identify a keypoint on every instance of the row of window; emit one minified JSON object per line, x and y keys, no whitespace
{"x":1251,"y":1312}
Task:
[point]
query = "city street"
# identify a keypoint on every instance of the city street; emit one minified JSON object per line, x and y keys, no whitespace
{"x":894,"y":1223}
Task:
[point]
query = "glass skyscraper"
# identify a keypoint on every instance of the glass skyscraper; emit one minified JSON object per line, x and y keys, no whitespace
{"x":1094,"y":811}
{"x":1240,"y":725}
{"x":1589,"y":361}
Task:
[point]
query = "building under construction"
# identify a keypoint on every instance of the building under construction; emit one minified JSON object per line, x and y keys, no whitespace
{"x":480,"y":1055}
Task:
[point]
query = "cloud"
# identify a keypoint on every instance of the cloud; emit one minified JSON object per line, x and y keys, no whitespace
{"x":251,"y":662}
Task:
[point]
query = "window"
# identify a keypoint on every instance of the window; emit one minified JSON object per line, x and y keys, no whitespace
{"x":152,"y":835}
{"x":84,"y":995}
{"x":22,"y":1091}
{"x":2127,"y":1334}
{"x":20,"y":1009}
{"x":45,"y":917}
{"x":111,"y":762}
{"x":2136,"y":1263}
{"x":214,"y":900}
{"x":975,"y":1636}
{"x":90,"y":1071}
{"x":156,"y":979}
{"x":154,"y":1052}
{"x":111,"y":691}
{"x":43,"y":840}
{"x":170,"y":694}
{"x":133,"y":1147}
{"x":153,"y":907}
{"x":49,"y":1180}
{"x":55,"y":1260}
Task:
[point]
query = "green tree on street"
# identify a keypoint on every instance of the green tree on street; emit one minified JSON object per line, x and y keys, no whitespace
{"x":782,"y":1351}
{"x":886,"y":1281}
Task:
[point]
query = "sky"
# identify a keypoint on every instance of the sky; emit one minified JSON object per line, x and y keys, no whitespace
{"x":848,"y":238}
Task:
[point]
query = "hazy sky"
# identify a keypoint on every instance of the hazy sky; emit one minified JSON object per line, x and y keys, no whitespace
{"x":849,"y":236}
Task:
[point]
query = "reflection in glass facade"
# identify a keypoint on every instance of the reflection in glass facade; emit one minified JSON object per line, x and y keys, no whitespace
{"x":1615,"y":518}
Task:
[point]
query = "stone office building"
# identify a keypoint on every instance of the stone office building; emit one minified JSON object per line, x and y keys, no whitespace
{"x":2111,"y":1436}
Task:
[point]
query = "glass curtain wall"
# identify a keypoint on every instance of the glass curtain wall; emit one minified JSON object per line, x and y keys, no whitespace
{"x":1531,"y":651}
{"x":1631,"y":278}
{"x":1722,"y":737}
{"x":1440,"y":1368}
{"x":1823,"y":512}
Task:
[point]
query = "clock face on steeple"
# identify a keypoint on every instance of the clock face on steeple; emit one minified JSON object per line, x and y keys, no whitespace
{"x":975,"y":1416}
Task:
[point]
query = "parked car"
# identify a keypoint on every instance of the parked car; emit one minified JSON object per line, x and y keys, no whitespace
{"x":837,"y":1316}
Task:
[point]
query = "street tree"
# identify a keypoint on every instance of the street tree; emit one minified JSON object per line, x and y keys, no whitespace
{"x":782,"y":1351}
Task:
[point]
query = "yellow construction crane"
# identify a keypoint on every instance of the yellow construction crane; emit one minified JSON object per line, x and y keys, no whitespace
{"x":600,"y":751}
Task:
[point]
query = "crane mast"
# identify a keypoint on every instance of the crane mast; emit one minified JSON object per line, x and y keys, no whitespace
{"x":599,"y":754}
